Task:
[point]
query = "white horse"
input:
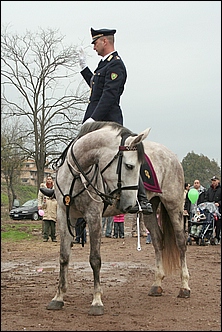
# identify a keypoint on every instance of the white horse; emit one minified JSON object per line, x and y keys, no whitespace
{"x":98,"y":176}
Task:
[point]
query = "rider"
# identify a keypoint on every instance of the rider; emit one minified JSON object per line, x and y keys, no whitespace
{"x":107,"y":85}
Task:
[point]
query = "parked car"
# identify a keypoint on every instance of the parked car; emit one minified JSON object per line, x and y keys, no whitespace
{"x":29,"y":210}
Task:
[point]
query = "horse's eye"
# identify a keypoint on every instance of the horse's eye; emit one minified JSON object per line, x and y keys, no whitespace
{"x":128,"y":166}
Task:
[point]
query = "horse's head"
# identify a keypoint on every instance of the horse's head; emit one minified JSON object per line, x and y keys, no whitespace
{"x":121,"y":174}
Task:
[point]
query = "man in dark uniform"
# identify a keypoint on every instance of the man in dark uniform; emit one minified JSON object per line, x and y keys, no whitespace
{"x":107,"y":85}
{"x":107,"y":81}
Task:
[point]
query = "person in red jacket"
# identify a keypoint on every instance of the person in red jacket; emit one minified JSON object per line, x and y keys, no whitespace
{"x":119,"y":226}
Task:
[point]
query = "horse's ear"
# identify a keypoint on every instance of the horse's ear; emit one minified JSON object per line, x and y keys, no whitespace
{"x":145,"y":133}
{"x":139,"y":138}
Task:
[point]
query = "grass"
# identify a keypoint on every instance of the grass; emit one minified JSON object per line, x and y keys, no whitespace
{"x":20,"y":231}
{"x":23,"y":192}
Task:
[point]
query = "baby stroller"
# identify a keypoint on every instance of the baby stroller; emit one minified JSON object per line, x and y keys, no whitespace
{"x":202,"y":224}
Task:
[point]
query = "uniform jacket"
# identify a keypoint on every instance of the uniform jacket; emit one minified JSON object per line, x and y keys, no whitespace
{"x":107,"y":85}
{"x":214,"y":195}
{"x":50,"y":209}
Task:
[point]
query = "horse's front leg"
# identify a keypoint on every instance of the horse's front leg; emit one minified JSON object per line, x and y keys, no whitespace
{"x":65,"y":248}
{"x":95,"y":230}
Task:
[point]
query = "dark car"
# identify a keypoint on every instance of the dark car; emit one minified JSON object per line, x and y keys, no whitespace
{"x":29,"y":210}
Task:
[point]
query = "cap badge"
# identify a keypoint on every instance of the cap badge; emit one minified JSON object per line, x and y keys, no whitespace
{"x":113,"y":76}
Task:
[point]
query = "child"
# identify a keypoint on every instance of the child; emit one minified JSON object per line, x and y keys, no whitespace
{"x":118,"y":226}
{"x":196,"y":229}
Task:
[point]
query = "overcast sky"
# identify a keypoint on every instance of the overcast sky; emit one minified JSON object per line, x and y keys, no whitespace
{"x":172,"y":52}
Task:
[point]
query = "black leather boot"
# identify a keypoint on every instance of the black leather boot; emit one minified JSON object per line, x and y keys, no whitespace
{"x":146,"y":206}
{"x":47,"y":192}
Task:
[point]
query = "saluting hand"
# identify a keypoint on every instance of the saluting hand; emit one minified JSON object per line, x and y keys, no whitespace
{"x":82,"y":58}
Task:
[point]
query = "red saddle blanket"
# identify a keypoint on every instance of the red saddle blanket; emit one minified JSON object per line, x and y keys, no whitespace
{"x":149,"y":176}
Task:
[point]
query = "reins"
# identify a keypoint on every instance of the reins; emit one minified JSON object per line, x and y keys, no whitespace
{"x":107,"y":199}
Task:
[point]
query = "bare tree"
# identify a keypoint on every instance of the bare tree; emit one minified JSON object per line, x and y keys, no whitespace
{"x":11,"y":156}
{"x":37,"y":86}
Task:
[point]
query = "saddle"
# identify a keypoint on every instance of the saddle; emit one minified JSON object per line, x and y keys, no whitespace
{"x":149,"y":177}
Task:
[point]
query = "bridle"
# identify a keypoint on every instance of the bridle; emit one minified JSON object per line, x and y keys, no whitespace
{"x":107,"y":199}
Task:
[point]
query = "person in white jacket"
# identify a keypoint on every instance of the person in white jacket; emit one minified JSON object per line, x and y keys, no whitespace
{"x":50,"y":217}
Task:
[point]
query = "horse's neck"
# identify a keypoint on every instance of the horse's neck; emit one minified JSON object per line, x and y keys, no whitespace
{"x":89,"y":150}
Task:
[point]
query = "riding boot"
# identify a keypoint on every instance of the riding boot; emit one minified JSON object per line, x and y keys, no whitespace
{"x":146,"y":206}
{"x":47,"y":192}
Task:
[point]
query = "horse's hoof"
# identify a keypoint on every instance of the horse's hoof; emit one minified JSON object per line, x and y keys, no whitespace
{"x":155,"y":291}
{"x":55,"y":305}
{"x":96,"y":310}
{"x":184,"y":293}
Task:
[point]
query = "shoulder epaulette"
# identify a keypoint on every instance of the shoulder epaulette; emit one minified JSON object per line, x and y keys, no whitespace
{"x":110,"y":57}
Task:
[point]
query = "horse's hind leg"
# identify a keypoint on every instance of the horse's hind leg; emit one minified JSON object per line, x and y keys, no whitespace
{"x":181,"y":243}
{"x":174,"y":253}
{"x":175,"y":242}
{"x":170,"y":249}
{"x":65,"y":247}
{"x":96,"y":308}
{"x":157,"y":241}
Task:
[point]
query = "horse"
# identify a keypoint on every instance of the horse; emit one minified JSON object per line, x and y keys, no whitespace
{"x":97,"y":176}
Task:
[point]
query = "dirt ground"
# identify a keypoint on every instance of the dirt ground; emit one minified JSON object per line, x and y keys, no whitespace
{"x":29,"y":279}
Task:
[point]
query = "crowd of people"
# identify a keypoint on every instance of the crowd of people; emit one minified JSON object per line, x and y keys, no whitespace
{"x":192,"y":211}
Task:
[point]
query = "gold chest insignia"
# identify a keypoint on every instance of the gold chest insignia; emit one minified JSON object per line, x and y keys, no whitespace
{"x":147,"y":173}
{"x":113,"y":76}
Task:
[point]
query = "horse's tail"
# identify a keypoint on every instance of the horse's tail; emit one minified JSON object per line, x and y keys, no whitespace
{"x":171,"y":253}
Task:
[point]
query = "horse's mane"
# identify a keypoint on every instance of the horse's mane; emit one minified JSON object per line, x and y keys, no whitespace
{"x":96,"y":125}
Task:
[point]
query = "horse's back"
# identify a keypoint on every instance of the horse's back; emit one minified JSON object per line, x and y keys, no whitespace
{"x":168,"y":169}
{"x":160,"y":155}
